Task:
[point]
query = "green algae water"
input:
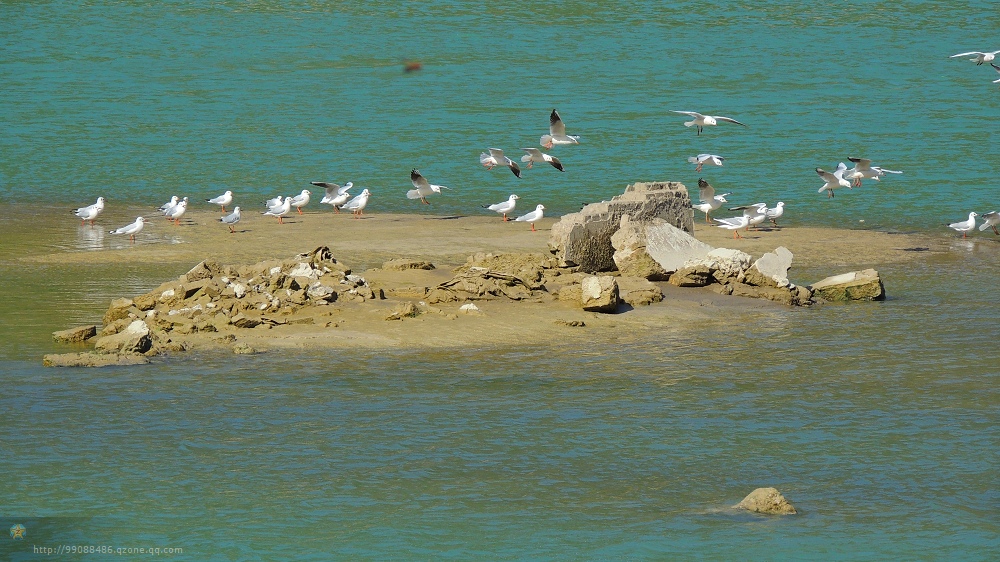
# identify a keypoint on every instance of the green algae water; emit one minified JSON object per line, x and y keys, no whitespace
{"x":877,"y":421}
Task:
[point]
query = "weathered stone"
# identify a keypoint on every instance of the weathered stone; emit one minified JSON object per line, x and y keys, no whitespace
{"x":203,"y":270}
{"x":637,"y":291}
{"x":403,"y":310}
{"x":631,"y":256}
{"x":115,"y":327}
{"x":321,"y":293}
{"x":244,"y":349}
{"x":133,"y":339}
{"x":771,"y":270}
{"x":692,"y":276}
{"x":146,"y":301}
{"x":119,"y":309}
{"x":90,"y":359}
{"x":303,"y":270}
{"x":668,"y":246}
{"x":75,"y":335}
{"x":403,"y":264}
{"x":725,"y":263}
{"x":599,"y":293}
{"x":583,"y":239}
{"x":571,"y":323}
{"x":241,"y":321}
{"x":857,"y":285}
{"x":192,"y":288}
{"x":767,"y":500}
{"x":784,"y":295}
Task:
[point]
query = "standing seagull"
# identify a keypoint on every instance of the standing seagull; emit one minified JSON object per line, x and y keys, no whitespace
{"x":534,"y":155}
{"x":357,"y":205}
{"x":495,"y":158}
{"x":557,"y":133}
{"x":863,"y":169}
{"x":273,"y":202}
{"x":168,"y":204}
{"x":423,"y":187}
{"x":280,"y":210}
{"x":991,"y":218}
{"x":131,"y":229}
{"x":978,"y":57}
{"x":965,"y":226}
{"x":301,"y":200}
{"x":532,"y":217}
{"x":231,"y":219}
{"x":755,"y":213}
{"x":222,"y":200}
{"x":336,"y":195}
{"x":709,"y":200}
{"x":504,"y":207}
{"x":90,"y":212}
{"x":702,"y":121}
{"x":774,"y":213}
{"x":834,"y":180}
{"x":167,"y":210}
{"x":177,"y":211}
{"x":734,"y":224}
{"x":705,"y":159}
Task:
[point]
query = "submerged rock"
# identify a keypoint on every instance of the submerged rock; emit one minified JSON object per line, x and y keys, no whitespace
{"x":865,"y":285}
{"x":767,"y":500}
{"x":91,"y":359}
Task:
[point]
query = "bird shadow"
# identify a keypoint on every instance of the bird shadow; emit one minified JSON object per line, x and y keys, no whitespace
{"x":446,"y":218}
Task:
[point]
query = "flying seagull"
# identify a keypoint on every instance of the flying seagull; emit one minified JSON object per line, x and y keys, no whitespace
{"x":833,"y":180}
{"x":534,"y":155}
{"x":978,"y":57}
{"x":423,"y":187}
{"x":863,"y":169}
{"x":495,"y":158}
{"x":702,"y":121}
{"x":705,"y":160}
{"x":557,"y":133}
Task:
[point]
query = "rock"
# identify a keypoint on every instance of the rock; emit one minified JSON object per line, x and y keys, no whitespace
{"x":303,"y":270}
{"x":583,"y":239}
{"x":133,"y":339}
{"x":666,"y":245}
{"x":767,"y":500}
{"x":692,"y":276}
{"x":244,"y":349}
{"x":724,"y":263}
{"x":403,"y":264}
{"x":241,"y":321}
{"x":771,"y":270}
{"x":599,"y":293}
{"x":91,"y":359}
{"x":203,"y":270}
{"x":119,"y":309}
{"x":403,"y":310}
{"x":784,"y":295}
{"x":74,"y":335}
{"x":637,"y":291}
{"x":631,"y":255}
{"x":319,"y":292}
{"x":571,"y":323}
{"x":146,"y":301}
{"x":115,"y":327}
{"x":858,"y":285}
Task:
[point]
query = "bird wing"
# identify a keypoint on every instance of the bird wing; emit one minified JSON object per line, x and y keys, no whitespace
{"x":691,"y":113}
{"x":966,"y":54}
{"x":861,"y":163}
{"x":556,"y":126}
{"x":497,"y":155}
{"x":705,"y":191}
{"x":418,"y":180}
{"x":827,"y":176}
{"x":729,"y":119}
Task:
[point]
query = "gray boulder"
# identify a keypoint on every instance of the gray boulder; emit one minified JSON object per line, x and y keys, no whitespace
{"x":865,"y":285}
{"x":771,"y":270}
{"x":654,"y":249}
{"x":767,"y":500}
{"x":724,"y":263}
{"x":584,"y":238}
{"x":599,"y":293}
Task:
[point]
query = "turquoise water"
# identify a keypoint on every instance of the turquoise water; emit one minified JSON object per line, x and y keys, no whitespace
{"x":877,"y":421}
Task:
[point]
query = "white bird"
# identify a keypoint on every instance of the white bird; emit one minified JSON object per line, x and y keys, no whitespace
{"x":168,"y":204}
{"x":774,"y":213}
{"x":280,"y":210}
{"x":336,"y":194}
{"x":231,"y":219}
{"x":557,"y":133}
{"x":709,"y":200}
{"x":495,"y":158}
{"x":834,"y":180}
{"x":734,"y":224}
{"x":423,"y":187}
{"x":90,"y":212}
{"x":534,"y":155}
{"x":977,"y":56}
{"x":357,"y":205}
{"x":997,"y":68}
{"x":705,"y":159}
{"x":755,"y":213}
{"x":992,"y":218}
{"x":301,"y":200}
{"x":274,"y":202}
{"x":965,"y":226}
{"x":702,"y":121}
{"x":171,"y":208}
{"x":863,"y":169}
{"x":131,"y":229}
{"x":222,"y":200}
{"x":177,"y":211}
{"x":504,"y":207}
{"x":533,"y":216}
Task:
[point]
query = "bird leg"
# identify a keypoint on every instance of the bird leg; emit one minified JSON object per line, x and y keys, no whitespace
{"x":995,"y":229}
{"x":775,"y":223}
{"x":706,"y":218}
{"x":505,"y":219}
{"x":299,"y":209}
{"x":223,"y":208}
{"x":533,"y":227}
{"x":232,"y":230}
{"x":424,"y":201}
{"x":280,"y":221}
{"x":697,"y":168}
{"x":530,"y":162}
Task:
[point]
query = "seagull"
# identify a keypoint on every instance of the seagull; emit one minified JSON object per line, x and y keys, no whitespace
{"x":557,"y":133}
{"x":274,"y":202}
{"x":533,"y":216}
{"x":231,"y":219}
{"x":997,"y":68}
{"x":965,"y":226}
{"x":130,"y":229}
{"x":863,"y":169}
{"x":336,"y":194}
{"x":734,"y":224}
{"x":978,"y":57}
{"x":834,"y":180}
{"x":357,"y":204}
{"x":504,"y":207}
{"x":534,"y":155}
{"x":991,"y":218}
{"x":423,"y":188}
{"x":495,"y":157}
{"x":168,"y":204}
{"x":709,"y":200}
{"x":90,"y":212}
{"x":301,"y":200}
{"x":177,"y":211}
{"x":755,"y":213}
{"x":222,"y":200}
{"x":702,"y":121}
{"x":774,"y":213}
{"x":705,"y":159}
{"x":171,"y":208}
{"x":280,"y":210}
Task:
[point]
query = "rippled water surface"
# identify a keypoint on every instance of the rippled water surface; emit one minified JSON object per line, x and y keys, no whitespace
{"x":877,"y":420}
